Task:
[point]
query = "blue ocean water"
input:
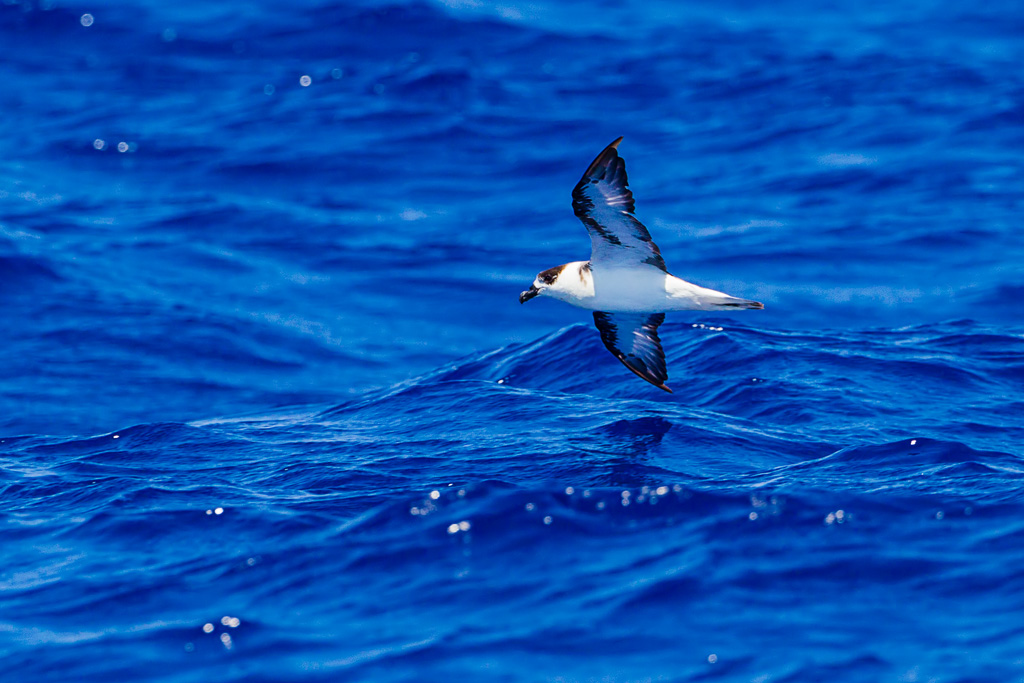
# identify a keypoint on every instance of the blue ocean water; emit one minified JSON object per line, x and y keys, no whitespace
{"x":270,"y":409}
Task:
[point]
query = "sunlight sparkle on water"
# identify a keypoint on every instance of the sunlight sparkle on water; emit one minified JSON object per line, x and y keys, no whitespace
{"x":412,"y":215}
{"x":837,"y":517}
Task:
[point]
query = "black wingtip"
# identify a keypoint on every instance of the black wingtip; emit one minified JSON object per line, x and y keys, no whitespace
{"x":662,"y":386}
{"x":601,"y":159}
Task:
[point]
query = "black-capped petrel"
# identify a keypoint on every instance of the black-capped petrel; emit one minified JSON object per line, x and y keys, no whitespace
{"x":625,"y":282}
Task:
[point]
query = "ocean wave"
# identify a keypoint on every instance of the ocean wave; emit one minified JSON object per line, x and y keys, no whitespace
{"x":270,"y":409}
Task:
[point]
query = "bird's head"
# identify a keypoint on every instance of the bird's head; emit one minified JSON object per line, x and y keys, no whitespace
{"x":546,"y":282}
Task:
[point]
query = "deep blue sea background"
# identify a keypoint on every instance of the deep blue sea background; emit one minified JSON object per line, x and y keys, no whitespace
{"x":270,"y":409}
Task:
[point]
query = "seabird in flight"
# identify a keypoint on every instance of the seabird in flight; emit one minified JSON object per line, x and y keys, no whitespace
{"x":625,"y":282}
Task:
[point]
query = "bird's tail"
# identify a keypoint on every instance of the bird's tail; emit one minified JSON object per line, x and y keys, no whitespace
{"x":734,"y":303}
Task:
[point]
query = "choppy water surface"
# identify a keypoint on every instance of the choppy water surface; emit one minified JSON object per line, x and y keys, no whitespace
{"x":270,"y":409}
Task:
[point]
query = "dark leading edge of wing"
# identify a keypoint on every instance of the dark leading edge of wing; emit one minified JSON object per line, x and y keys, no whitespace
{"x":633,"y":339}
{"x":602,"y":200}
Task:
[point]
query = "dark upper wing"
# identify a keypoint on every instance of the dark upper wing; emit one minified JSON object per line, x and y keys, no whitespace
{"x":604,"y":203}
{"x":633,"y":339}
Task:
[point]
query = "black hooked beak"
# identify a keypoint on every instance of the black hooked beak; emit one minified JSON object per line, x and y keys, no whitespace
{"x":528,"y":294}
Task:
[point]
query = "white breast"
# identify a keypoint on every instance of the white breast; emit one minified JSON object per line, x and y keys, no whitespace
{"x":633,"y":290}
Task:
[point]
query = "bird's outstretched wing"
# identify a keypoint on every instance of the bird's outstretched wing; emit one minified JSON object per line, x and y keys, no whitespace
{"x":604,"y":203}
{"x":633,"y":339}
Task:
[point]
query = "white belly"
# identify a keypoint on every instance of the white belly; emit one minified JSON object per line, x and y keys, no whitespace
{"x":639,"y":290}
{"x":629,"y":290}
